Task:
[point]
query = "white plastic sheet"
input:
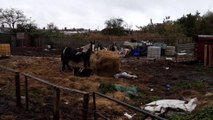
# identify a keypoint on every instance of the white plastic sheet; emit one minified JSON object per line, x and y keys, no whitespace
{"x":125,"y":75}
{"x":160,"y":106}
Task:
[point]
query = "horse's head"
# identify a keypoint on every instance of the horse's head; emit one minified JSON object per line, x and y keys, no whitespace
{"x":92,"y":46}
{"x":100,"y":46}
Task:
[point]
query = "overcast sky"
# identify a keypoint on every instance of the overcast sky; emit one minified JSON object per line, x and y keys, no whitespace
{"x":92,"y":14}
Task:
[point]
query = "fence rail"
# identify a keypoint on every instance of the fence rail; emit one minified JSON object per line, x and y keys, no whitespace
{"x":17,"y":84}
{"x":57,"y":95}
{"x":147,"y":114}
{"x":57,"y":91}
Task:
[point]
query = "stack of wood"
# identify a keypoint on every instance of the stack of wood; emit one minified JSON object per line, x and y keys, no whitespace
{"x":170,"y":51}
{"x":185,"y":58}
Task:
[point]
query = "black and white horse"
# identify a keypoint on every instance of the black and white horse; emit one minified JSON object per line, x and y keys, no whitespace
{"x":99,"y":47}
{"x":77,"y":55}
{"x":113,"y":47}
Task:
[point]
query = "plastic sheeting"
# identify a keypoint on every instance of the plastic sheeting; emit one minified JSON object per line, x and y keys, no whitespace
{"x":160,"y":106}
{"x":131,"y":91}
{"x":125,"y":75}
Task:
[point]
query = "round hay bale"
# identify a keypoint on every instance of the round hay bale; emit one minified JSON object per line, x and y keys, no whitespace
{"x":105,"y":63}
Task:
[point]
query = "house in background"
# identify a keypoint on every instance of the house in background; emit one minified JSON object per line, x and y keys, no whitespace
{"x":74,"y":31}
{"x":5,"y":36}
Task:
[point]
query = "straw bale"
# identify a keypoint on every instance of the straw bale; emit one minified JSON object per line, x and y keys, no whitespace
{"x":105,"y":63}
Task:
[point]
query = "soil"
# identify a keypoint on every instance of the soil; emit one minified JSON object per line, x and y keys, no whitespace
{"x":157,"y":79}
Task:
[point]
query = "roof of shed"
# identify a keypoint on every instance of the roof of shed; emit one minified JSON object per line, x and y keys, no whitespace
{"x":206,"y":36}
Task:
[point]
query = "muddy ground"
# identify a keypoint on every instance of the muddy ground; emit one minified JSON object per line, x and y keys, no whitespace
{"x":157,"y":79}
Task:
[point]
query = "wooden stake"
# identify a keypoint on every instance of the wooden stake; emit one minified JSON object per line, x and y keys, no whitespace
{"x":210,"y":55}
{"x":205,"y":55}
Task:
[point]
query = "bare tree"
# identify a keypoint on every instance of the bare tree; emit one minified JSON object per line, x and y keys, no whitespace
{"x":12,"y":17}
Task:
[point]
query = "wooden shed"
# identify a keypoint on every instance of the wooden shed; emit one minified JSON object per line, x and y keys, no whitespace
{"x":204,"y":50}
{"x":23,"y":40}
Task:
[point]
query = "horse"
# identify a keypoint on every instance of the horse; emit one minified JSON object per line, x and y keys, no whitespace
{"x":77,"y":55}
{"x":113,"y":47}
{"x":99,"y":47}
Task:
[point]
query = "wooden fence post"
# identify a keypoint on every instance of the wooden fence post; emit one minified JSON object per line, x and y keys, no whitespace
{"x":57,"y":104}
{"x":205,"y":55}
{"x":210,"y":55}
{"x":18,"y":94}
{"x":94,"y":106}
{"x":85,"y":106}
{"x":26,"y":93}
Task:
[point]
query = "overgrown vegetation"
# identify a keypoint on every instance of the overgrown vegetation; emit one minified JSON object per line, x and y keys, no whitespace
{"x":204,"y":114}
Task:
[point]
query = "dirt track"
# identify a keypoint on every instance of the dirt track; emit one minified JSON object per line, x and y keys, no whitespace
{"x":151,"y":75}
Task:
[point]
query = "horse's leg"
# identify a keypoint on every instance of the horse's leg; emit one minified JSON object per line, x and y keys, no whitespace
{"x":63,"y":66}
{"x":63,"y":61}
{"x":86,"y":63}
{"x":67,"y":64}
{"x":65,"y":58}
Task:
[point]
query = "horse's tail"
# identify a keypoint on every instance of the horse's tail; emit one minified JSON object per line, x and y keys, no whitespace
{"x":63,"y":54}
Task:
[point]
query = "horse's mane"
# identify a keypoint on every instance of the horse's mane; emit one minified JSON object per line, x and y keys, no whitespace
{"x":85,"y":48}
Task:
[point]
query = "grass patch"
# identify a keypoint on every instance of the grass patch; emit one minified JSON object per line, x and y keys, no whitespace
{"x":201,"y":68}
{"x":204,"y":114}
{"x":39,"y":93}
{"x":153,"y":98}
{"x":107,"y":88}
{"x":199,"y":84}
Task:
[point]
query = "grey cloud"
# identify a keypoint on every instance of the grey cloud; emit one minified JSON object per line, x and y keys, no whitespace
{"x":93,"y":13}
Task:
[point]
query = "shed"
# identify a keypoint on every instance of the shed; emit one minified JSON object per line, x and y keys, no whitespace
{"x":23,"y":40}
{"x":205,"y":49}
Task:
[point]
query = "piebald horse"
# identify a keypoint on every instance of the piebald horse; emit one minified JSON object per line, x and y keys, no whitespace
{"x":77,"y":55}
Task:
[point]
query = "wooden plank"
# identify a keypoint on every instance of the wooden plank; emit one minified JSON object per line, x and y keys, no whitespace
{"x":26,"y":93}
{"x":18,"y":89}
{"x":85,"y":106}
{"x":57,"y":104}
{"x":210,"y":55}
{"x":205,"y":55}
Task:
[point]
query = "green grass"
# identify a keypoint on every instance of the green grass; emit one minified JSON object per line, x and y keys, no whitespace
{"x":203,"y":114}
{"x":197,"y":85}
{"x":201,"y":68}
{"x":107,"y":88}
